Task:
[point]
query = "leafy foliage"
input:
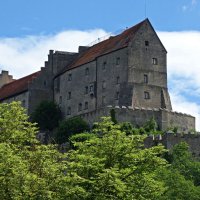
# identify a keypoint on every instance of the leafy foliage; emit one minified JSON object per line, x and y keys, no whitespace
{"x":47,"y":115}
{"x":116,"y":166}
{"x":110,"y":162}
{"x":70,"y":126}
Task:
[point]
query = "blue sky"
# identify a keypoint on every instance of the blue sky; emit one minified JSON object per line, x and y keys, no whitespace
{"x":30,"y":28}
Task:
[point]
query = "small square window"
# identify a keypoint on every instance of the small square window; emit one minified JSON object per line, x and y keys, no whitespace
{"x":146,"y":43}
{"x":146,"y":95}
{"x":145,"y":78}
{"x":117,"y":60}
{"x":69,"y":77}
{"x":154,"y":61}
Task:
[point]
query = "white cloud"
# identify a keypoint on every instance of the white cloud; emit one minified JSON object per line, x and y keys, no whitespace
{"x":184,"y":70}
{"x":22,"y":56}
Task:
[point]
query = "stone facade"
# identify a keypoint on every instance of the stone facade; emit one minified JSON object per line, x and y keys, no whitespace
{"x":127,"y":71}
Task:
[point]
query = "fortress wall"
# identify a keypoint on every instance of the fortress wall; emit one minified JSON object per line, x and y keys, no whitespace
{"x":138,"y":116}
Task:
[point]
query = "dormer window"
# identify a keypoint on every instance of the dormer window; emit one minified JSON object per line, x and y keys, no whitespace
{"x":154,"y":61}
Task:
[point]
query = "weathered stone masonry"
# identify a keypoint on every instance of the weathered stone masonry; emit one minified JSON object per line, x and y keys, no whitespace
{"x":127,"y":72}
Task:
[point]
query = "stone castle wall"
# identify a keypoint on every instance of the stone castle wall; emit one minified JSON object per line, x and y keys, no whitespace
{"x":138,"y":116}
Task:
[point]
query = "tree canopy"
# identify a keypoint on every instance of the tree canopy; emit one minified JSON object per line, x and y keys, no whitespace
{"x":47,"y":115}
{"x":109,"y":162}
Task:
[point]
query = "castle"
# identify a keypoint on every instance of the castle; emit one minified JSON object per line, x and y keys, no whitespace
{"x":127,"y":72}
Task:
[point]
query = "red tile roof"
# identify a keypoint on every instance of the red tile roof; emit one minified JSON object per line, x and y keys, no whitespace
{"x":112,"y":44}
{"x":17,"y":86}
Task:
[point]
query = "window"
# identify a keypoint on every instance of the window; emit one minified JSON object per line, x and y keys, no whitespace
{"x":79,"y":106}
{"x":69,"y":77}
{"x":146,"y":43}
{"x":87,"y":71}
{"x":117,"y":80}
{"x":86,"y":89}
{"x":104,"y":66}
{"x":154,"y":61}
{"x":91,"y":88}
{"x":57,"y":84}
{"x":104,"y":85}
{"x":69,"y":111}
{"x":60,"y":100}
{"x":103,"y":100}
{"x":86,"y":105}
{"x":117,"y":60}
{"x":146,"y":95}
{"x":145,"y":78}
{"x":45,"y":83}
{"x":69,"y":95}
{"x":117,"y":96}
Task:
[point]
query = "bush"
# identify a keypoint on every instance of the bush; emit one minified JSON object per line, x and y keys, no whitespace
{"x":69,"y":127}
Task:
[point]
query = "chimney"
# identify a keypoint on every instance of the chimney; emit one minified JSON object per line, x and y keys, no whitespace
{"x":5,"y":78}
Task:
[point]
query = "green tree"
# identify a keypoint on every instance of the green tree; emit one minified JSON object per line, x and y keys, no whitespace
{"x":29,"y":170}
{"x":113,"y":165}
{"x":47,"y":115}
{"x":70,"y":126}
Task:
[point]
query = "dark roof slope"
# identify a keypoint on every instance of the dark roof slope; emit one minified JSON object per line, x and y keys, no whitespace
{"x":112,"y":44}
{"x":17,"y":86}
